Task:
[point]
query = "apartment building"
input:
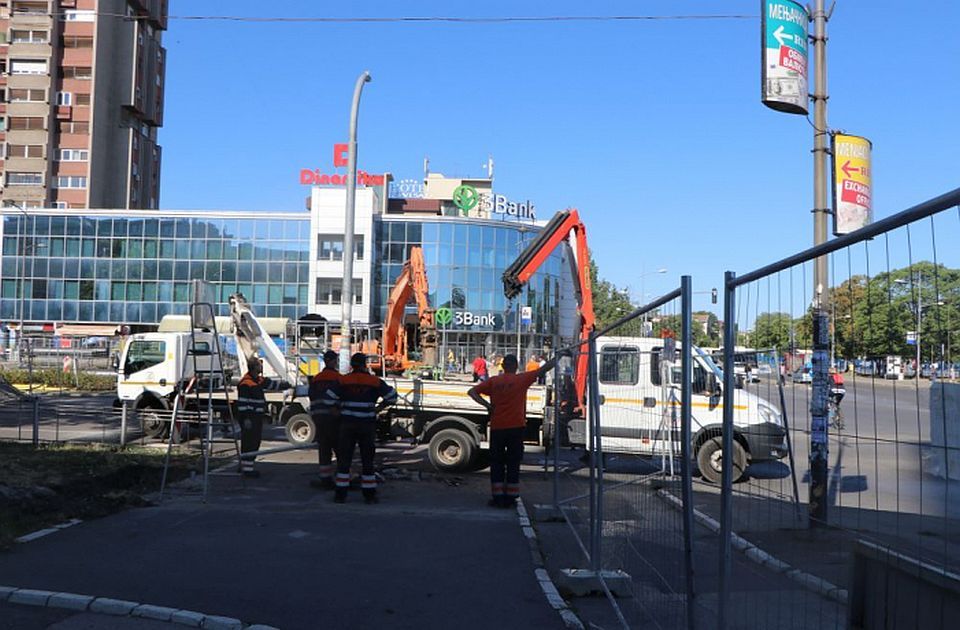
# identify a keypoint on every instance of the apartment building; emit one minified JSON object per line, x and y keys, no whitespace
{"x":82,"y":83}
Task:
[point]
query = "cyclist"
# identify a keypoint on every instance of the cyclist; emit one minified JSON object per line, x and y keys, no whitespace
{"x":837,"y":389}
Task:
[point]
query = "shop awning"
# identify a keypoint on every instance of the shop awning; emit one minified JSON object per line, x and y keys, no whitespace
{"x":87,"y":330}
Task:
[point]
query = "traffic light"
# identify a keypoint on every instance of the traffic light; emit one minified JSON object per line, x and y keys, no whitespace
{"x":713,"y":296}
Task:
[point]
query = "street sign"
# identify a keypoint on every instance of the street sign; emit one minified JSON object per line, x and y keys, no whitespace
{"x":852,"y":198}
{"x":783,"y":73}
{"x":911,"y":337}
{"x":526,"y":315}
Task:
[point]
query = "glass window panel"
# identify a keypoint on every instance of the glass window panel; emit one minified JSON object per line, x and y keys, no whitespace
{"x":460,"y":255}
{"x":397,"y":232}
{"x":196,"y":270}
{"x":102,"y":290}
{"x":167,"y":228}
{"x":275,"y":294}
{"x":197,"y":250}
{"x":228,"y":271}
{"x":151,"y":227}
{"x":199,"y":229}
{"x":290,"y":272}
{"x":56,"y":268}
{"x":148,"y":312}
{"x":259,"y":272}
{"x":101,"y":311}
{"x":118,"y":269}
{"x":55,"y":310}
{"x":164,"y":291}
{"x":102,"y":269}
{"x":181,"y":270}
{"x":182,"y":250}
{"x":167,"y":249}
{"x":276,"y":253}
{"x":182,"y":229}
{"x":73,"y":226}
{"x":211,"y":271}
{"x":181,"y":292}
{"x":71,"y":268}
{"x":135,"y":227}
{"x":230,"y":228}
{"x":56,"y":247}
{"x":135,"y":248}
{"x":86,"y":289}
{"x":444,"y":255}
{"x":244,"y":272}
{"x":134,"y":291}
{"x":71,"y":290}
{"x":260,"y":294}
{"x":133,"y":312}
{"x":149,"y":269}
{"x":118,"y":291}
{"x":116,"y":312}
{"x":165,"y":270}
{"x":246,"y":251}
{"x":70,"y":310}
{"x":134,"y":269}
{"x":214,"y":250}
{"x":119,"y":227}
{"x":39,"y":268}
{"x":291,"y":230}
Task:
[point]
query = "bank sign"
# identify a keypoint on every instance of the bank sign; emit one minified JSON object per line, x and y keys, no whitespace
{"x":466,"y":198}
{"x":852,"y":193}
{"x":449,"y":318}
{"x":783,"y":74}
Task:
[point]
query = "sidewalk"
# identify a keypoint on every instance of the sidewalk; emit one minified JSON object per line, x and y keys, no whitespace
{"x":273,"y":551}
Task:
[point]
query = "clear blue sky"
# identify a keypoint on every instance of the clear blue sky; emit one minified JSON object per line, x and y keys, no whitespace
{"x":653,"y":129}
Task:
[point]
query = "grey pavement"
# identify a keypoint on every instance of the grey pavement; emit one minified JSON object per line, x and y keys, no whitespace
{"x":273,"y":551}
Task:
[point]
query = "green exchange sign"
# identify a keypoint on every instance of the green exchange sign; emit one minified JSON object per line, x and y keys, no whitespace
{"x":466,"y":198}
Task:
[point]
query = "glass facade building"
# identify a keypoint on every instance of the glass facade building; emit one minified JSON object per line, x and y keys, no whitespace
{"x":130,"y":267}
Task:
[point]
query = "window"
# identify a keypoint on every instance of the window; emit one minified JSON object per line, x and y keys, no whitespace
{"x":30,"y":8}
{"x":24,"y":151}
{"x":22,"y":95}
{"x":62,"y":205}
{"x":28,"y":66}
{"x":619,"y":365}
{"x":81,"y":100}
{"x":77,"y":72}
{"x":330,"y":247}
{"x":144,"y":354}
{"x":75,"y":127}
{"x":29,"y":37}
{"x":78,"y":15}
{"x":24,"y":179}
{"x":64,"y":98}
{"x":25,"y":123}
{"x":77,"y":42}
{"x":329,"y":291}
{"x":74,"y":155}
{"x":71,"y":181}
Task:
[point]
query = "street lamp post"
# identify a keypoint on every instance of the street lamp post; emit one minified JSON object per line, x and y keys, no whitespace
{"x":918,"y":301}
{"x":643,"y":295}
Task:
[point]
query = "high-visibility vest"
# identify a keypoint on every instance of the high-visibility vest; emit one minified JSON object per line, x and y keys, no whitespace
{"x":320,"y":402}
{"x":357,"y":394}
{"x":250,"y":393}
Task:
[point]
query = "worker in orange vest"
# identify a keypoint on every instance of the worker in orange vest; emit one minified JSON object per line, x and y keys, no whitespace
{"x":252,"y":412}
{"x":326,"y":418}
{"x":533,"y":364}
{"x":508,"y":420}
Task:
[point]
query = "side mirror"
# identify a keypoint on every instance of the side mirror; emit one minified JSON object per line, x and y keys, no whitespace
{"x":649,"y":402}
{"x":163,"y":382}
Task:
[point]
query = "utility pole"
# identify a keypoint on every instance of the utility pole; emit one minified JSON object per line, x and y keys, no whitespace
{"x":346,"y":292}
{"x":819,"y":447}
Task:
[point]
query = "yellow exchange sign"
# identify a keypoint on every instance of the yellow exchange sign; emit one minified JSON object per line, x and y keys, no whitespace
{"x":852,"y":196}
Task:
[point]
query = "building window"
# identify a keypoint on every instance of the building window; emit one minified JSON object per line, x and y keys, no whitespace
{"x":329,"y":291}
{"x":26,"y":123}
{"x":77,"y":42}
{"x":64,"y":98}
{"x":24,"y":179}
{"x":79,"y":15}
{"x":74,"y":127}
{"x":71,"y":181}
{"x":30,"y":8}
{"x":74,"y":155}
{"x":81,"y":100}
{"x":24,"y":151}
{"x":61,"y":205}
{"x":330,"y":247}
{"x":28,"y":66}
{"x":29,"y":37}
{"x":77,"y":72}
{"x":22,"y":95}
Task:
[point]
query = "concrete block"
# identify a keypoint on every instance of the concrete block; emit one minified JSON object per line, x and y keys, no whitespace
{"x":188,"y":618}
{"x":29,"y":597}
{"x":5,"y":592}
{"x":583,"y":582}
{"x":108,"y":606}
{"x":545,"y":513}
{"x":213,"y":622}
{"x":148,"y":611}
{"x":70,"y":601}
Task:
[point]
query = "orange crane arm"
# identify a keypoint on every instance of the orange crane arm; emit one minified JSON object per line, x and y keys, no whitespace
{"x":394,"y":341}
{"x":564,"y":225}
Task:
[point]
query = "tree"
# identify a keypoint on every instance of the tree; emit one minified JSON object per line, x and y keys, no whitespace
{"x":610,"y":304}
{"x":772,"y":330}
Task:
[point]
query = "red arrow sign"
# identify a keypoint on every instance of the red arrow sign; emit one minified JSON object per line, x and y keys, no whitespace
{"x":847,"y":169}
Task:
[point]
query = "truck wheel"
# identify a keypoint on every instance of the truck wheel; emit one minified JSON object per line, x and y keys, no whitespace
{"x":153,"y":424}
{"x":451,"y":450}
{"x":300,"y":429}
{"x":710,"y":460}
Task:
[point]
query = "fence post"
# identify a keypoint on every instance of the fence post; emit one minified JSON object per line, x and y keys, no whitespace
{"x":557,"y":387}
{"x":36,"y":421}
{"x":818,"y":419}
{"x":596,"y":529}
{"x":726,"y":477}
{"x":686,"y":437}
{"x":123,"y":425}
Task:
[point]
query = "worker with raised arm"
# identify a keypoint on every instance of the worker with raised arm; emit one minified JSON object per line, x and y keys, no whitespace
{"x":508,"y":419}
{"x":326,"y":418}
{"x":357,"y":394}
{"x":252,"y":412}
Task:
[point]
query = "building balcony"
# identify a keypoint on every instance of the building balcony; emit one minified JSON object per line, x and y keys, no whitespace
{"x":64,"y":112}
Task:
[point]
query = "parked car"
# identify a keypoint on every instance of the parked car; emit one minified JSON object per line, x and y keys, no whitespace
{"x":803,"y":375}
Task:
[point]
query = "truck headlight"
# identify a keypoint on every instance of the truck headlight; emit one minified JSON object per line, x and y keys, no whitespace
{"x":769,"y":414}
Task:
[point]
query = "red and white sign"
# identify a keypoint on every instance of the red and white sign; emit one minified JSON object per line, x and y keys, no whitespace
{"x":316,"y":177}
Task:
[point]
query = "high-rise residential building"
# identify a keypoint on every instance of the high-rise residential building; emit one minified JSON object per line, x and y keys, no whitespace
{"x":82,"y":84}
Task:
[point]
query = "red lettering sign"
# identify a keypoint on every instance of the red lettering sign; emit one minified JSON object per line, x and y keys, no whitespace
{"x":316,"y":178}
{"x":793,"y":60}
{"x":855,"y":192}
{"x":340,"y":151}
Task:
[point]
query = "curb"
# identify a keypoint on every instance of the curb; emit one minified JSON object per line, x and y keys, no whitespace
{"x":761,"y":557}
{"x":556,"y":601}
{"x":122,"y":608}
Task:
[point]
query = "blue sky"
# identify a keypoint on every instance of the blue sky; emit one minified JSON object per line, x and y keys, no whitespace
{"x":653,"y":129}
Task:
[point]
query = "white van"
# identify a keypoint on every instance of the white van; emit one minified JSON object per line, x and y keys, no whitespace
{"x":640,"y":408}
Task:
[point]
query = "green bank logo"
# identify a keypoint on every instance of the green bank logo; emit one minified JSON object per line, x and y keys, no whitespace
{"x":443,"y":316}
{"x":466,"y":198}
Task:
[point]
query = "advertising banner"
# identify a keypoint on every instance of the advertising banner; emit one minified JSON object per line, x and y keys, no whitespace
{"x":783,"y":74}
{"x":852,"y":198}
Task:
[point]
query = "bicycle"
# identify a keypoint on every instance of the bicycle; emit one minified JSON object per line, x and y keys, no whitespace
{"x":835,"y":414}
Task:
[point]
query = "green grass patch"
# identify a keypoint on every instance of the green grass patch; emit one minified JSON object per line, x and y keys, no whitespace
{"x":44,"y":486}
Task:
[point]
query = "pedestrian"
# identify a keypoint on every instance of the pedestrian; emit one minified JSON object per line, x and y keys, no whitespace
{"x":508,"y":418}
{"x":252,"y":412}
{"x":326,"y":418}
{"x":532,"y":364}
{"x":357,"y":394}
{"x":479,"y":369}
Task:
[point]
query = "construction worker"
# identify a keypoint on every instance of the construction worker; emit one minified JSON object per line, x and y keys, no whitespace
{"x":252,"y":412}
{"x":326,"y":418}
{"x":357,"y":394}
{"x":533,"y":364}
{"x":508,"y":420}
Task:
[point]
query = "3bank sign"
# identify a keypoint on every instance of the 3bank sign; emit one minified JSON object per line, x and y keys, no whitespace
{"x":466,"y":198}
{"x":448,"y":318}
{"x":783,"y":74}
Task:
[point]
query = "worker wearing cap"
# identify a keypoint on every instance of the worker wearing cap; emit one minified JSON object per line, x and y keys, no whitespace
{"x":357,"y":394}
{"x":326,"y":418}
{"x":252,"y":412}
{"x":508,"y":420}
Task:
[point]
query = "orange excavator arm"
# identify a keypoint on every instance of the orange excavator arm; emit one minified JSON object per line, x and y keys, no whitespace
{"x":412,"y":281}
{"x":564,"y":226}
{"x":394,"y":337}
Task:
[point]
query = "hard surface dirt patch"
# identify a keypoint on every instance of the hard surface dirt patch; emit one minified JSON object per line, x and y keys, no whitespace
{"x":48,"y":485}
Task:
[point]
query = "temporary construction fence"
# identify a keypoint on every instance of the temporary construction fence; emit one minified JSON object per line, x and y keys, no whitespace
{"x":867,"y":518}
{"x":53,"y":417}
